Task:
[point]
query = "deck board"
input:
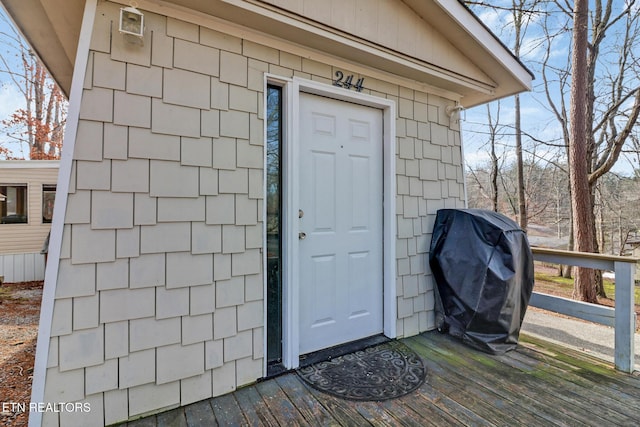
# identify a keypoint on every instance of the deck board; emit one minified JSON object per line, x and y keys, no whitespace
{"x":172,"y":419}
{"x":311,"y":409}
{"x":532,"y":390}
{"x":518,"y":388}
{"x":227,"y":411}
{"x":506,"y":389}
{"x":200,"y":414}
{"x":277,"y":401}
{"x":256,"y":411}
{"x":540,"y":384}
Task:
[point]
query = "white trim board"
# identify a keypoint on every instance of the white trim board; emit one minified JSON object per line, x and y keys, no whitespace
{"x":57,"y":227}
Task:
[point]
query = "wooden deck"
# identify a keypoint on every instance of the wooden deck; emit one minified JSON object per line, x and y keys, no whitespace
{"x":539,"y":384}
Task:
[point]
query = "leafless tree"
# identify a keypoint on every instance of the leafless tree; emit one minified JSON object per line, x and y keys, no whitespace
{"x":611,"y":107}
{"x":39,"y":122}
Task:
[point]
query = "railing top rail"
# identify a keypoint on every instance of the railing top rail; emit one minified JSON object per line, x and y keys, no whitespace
{"x":585,"y":255}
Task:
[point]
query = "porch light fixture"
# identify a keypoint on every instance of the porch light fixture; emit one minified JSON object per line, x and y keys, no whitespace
{"x":451,"y":109}
{"x":2,"y":197}
{"x":132,"y":21}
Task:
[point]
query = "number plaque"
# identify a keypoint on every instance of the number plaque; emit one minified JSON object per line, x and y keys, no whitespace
{"x":347,"y":81}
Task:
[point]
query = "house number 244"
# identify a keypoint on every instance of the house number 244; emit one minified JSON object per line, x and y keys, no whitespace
{"x":347,"y":81}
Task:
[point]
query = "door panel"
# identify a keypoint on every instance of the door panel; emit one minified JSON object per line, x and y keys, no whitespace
{"x":358,"y":186}
{"x":341,"y":176}
{"x":323,"y":186}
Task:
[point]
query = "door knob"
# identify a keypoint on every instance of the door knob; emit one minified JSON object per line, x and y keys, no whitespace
{"x":302,"y":235}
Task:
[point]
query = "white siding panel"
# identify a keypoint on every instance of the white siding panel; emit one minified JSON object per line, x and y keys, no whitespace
{"x":22,"y":267}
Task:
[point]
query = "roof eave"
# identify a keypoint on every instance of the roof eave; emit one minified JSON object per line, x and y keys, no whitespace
{"x":479,"y":44}
{"x":52,"y":28}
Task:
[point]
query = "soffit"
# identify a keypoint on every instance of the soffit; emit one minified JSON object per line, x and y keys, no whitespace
{"x":52,"y":29}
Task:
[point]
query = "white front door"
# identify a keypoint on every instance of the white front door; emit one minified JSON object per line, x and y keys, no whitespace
{"x":341,"y":222}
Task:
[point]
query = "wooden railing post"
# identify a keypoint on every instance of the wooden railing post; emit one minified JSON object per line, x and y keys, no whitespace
{"x":625,"y":316}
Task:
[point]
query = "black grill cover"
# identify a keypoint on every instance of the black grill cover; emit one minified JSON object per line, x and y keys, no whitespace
{"x":483,"y":268}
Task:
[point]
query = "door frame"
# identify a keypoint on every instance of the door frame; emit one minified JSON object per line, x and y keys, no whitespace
{"x":290,"y":205}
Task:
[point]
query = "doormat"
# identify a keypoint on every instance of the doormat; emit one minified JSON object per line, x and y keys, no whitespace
{"x":382,"y":372}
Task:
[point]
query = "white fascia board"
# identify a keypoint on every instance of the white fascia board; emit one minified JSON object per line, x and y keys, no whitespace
{"x":466,"y":20}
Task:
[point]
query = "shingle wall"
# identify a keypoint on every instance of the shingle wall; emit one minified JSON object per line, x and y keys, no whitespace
{"x":159,"y":298}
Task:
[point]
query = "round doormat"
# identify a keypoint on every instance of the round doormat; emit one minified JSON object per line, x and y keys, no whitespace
{"x":382,"y":372}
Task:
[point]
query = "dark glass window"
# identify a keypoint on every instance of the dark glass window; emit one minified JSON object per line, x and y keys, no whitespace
{"x":48,"y":199}
{"x":274,"y":225}
{"x":13,"y":203}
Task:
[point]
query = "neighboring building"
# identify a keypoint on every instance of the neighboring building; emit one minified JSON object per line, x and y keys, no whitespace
{"x":248,"y":182}
{"x":632,"y":248}
{"x":27,"y":193}
{"x":636,"y":254}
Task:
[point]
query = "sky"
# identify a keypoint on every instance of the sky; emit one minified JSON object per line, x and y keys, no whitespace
{"x":10,"y":97}
{"x":537,"y":119}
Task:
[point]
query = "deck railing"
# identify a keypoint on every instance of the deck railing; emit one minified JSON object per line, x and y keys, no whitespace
{"x":622,"y":317}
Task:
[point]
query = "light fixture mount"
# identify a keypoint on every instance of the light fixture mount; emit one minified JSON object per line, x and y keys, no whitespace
{"x":131,"y":21}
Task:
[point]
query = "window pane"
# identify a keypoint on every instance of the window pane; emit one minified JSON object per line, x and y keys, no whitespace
{"x":48,"y":199}
{"x":274,"y":224}
{"x":13,"y":209}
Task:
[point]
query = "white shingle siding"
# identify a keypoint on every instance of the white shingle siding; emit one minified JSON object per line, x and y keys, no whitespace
{"x":197,"y":328}
{"x":131,"y":110}
{"x":81,"y":349}
{"x":150,"y":333}
{"x":186,"y":88}
{"x":110,"y":210}
{"x":147,"y":145}
{"x":93,"y":175}
{"x":126,"y":304}
{"x":147,"y":270}
{"x":214,"y":354}
{"x":161,"y":274}
{"x":196,"y":388}
{"x":174,"y":119}
{"x":102,"y":378}
{"x":196,"y":57}
{"x":149,"y":397}
{"x":130,"y":176}
{"x":202,"y":299}
{"x":85,"y":312}
{"x":75,"y":280}
{"x":178,"y":361}
{"x":171,"y":302}
{"x":116,"y":340}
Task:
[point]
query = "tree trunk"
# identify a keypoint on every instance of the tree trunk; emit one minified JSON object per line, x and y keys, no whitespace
{"x":494,"y":177}
{"x":518,"y":12}
{"x":578,"y":171}
{"x":495,"y":169}
{"x":598,"y":283}
{"x":522,"y":203}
